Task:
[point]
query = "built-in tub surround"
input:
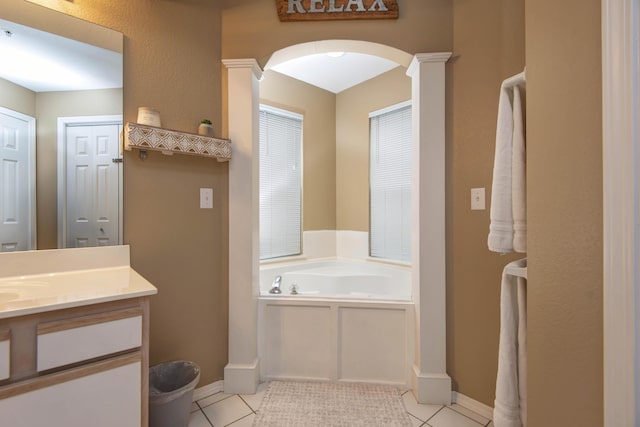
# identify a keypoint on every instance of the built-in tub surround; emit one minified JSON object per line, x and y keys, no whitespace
{"x":430,"y":382}
{"x":336,"y":320}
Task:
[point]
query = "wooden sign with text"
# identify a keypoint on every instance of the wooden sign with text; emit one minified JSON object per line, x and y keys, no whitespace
{"x":327,"y":10}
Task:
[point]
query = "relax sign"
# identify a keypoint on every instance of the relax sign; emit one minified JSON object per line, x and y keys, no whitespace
{"x":324,"y":10}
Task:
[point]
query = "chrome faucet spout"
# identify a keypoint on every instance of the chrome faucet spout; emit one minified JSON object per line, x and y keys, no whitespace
{"x":275,"y":286}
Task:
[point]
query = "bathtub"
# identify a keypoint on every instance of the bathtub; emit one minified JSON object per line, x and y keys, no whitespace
{"x":339,"y":279}
{"x":349,"y":321}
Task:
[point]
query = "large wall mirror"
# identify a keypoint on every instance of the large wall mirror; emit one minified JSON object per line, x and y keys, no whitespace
{"x":60,"y":124}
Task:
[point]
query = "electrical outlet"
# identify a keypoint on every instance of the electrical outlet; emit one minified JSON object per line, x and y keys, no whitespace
{"x":206,"y":198}
{"x":477,"y":199}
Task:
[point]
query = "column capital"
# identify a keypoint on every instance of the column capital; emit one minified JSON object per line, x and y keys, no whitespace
{"x":420,"y":58}
{"x":244,"y":63}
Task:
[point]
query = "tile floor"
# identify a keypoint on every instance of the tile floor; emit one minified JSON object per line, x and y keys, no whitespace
{"x":239,"y":410}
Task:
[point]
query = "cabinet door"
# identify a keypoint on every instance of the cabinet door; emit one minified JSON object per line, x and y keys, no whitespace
{"x":103,"y":394}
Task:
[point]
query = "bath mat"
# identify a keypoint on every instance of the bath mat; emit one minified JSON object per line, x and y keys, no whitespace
{"x":315,"y":404}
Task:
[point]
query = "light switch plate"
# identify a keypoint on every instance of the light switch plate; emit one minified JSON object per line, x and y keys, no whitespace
{"x":206,"y":198}
{"x":477,"y":199}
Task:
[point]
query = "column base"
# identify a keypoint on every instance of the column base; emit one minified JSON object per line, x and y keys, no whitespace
{"x":434,"y":389}
{"x":241,"y":378}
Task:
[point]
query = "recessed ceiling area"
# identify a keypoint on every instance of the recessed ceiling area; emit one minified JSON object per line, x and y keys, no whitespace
{"x":44,"y":62}
{"x":335,"y":73}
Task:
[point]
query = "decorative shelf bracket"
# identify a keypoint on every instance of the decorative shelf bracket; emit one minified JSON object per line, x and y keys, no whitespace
{"x":168,"y":141}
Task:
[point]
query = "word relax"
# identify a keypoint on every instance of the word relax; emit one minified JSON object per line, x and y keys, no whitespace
{"x":335,"y":6}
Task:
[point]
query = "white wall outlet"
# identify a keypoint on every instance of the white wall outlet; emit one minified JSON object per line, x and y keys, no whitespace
{"x":206,"y":198}
{"x":477,"y":199}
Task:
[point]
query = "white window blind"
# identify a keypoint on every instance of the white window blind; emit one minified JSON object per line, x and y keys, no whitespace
{"x":280,"y":182}
{"x":390,"y":183}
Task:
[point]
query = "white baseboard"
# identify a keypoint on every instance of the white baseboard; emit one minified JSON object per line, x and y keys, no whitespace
{"x":472,"y":404}
{"x":208,"y":390}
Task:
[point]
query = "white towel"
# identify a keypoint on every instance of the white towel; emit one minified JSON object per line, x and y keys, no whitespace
{"x":518,"y":177}
{"x":507,"y":231}
{"x":510,"y":408}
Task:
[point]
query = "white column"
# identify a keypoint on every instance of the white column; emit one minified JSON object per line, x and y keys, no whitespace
{"x":621,"y":210}
{"x":241,"y":375}
{"x":431,"y":384}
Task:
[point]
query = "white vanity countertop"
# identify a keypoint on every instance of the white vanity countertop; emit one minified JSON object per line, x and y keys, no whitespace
{"x":36,"y":291}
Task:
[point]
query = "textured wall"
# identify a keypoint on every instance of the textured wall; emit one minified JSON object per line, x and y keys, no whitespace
{"x":488,"y":41}
{"x":352,"y":142}
{"x":172,"y":63}
{"x":336,"y":143}
{"x":564,"y":172}
{"x":319,"y":144}
{"x":17,"y":98}
{"x":251,"y":29}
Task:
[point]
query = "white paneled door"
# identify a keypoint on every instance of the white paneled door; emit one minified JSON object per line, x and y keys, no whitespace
{"x":92,"y":185}
{"x":17,"y":206}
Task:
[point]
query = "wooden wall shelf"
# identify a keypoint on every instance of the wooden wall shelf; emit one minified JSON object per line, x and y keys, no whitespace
{"x":168,"y":141}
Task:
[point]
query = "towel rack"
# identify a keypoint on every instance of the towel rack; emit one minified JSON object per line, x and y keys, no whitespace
{"x":516,"y":80}
{"x":512,"y":270}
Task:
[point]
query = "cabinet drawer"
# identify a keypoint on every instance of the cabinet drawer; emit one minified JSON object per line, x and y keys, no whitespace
{"x":70,"y":341}
{"x":5,"y":354}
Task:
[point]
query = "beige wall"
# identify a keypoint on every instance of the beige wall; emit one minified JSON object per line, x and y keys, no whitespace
{"x":319,"y":144}
{"x":251,"y":29}
{"x":50,"y":106}
{"x":352,"y":142}
{"x":17,"y":98}
{"x":564,"y":172}
{"x":488,"y":46}
{"x":172,"y":63}
{"x":336,"y":143}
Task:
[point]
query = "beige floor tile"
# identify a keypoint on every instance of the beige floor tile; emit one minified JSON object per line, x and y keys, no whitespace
{"x":421,"y":411}
{"x":255,"y":400}
{"x":227,"y":411}
{"x":469,"y":413}
{"x":197,"y":419}
{"x":449,"y":418}
{"x":244,"y":422}
{"x":415,"y":422}
{"x":214,"y":398}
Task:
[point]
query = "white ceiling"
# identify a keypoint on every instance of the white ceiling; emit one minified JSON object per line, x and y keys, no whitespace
{"x":335,"y":74}
{"x":45,"y":62}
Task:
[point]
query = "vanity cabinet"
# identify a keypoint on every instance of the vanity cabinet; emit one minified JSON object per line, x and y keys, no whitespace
{"x":83,"y":366}
{"x":74,"y":339}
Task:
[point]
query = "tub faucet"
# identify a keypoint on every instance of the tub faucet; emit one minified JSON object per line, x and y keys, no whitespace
{"x":275,"y":286}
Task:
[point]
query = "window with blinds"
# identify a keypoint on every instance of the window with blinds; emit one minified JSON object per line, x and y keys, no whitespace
{"x":390,"y":183}
{"x":280,"y":183}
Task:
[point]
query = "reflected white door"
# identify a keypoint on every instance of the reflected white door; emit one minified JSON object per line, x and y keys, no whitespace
{"x":92,"y":185}
{"x":17,"y":207}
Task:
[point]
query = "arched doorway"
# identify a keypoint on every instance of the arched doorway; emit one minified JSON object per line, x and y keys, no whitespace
{"x":430,"y":382}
